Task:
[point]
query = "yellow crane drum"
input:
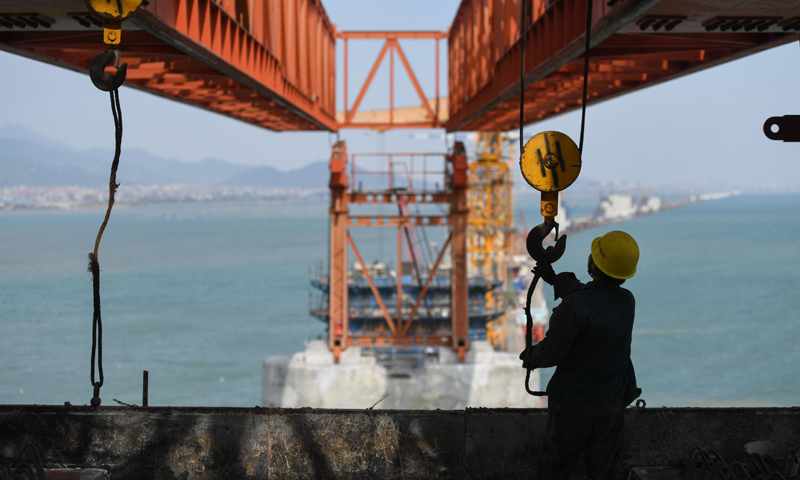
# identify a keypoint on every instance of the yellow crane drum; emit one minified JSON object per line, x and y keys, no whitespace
{"x":550,"y":163}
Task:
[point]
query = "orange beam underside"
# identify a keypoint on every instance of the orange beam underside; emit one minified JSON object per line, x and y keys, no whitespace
{"x":271,"y":64}
{"x":485,"y":55}
{"x":616,"y":69}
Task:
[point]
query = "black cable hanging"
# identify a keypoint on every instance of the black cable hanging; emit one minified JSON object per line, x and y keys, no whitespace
{"x":586,"y":71}
{"x":94,"y":265}
{"x":523,"y":34}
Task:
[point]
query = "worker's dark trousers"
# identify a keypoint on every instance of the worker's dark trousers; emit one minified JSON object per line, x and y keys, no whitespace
{"x":567,"y":436}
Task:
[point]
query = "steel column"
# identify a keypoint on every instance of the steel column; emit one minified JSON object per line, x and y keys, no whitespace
{"x":337,"y":284}
{"x":458,"y":218}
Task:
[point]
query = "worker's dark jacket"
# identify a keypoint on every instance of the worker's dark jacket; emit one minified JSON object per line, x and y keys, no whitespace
{"x":589,"y":339}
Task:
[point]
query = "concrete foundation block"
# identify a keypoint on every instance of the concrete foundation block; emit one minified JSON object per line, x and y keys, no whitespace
{"x":310,"y":379}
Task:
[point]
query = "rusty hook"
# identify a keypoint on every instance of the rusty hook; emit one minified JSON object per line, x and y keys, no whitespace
{"x":535,"y":248}
{"x":103,"y":81}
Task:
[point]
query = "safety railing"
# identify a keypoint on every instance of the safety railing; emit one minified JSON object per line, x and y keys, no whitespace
{"x":418,"y":173}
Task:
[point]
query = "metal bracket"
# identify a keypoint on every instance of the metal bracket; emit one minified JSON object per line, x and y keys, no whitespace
{"x":786,"y":128}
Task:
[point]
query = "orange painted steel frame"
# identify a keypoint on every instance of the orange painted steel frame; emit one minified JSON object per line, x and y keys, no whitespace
{"x":484,"y":53}
{"x":391,"y":45}
{"x":337,"y":286}
{"x":270,"y":62}
{"x":284,"y":49}
{"x":455,"y":193}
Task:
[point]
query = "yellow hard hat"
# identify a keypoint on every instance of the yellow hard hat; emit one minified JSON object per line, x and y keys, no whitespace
{"x":616,"y":254}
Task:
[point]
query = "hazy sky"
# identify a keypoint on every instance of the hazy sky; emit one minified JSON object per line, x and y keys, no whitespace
{"x":705,"y":128}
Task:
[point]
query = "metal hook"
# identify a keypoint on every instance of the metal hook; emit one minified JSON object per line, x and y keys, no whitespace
{"x":535,"y":248}
{"x":103,"y":81}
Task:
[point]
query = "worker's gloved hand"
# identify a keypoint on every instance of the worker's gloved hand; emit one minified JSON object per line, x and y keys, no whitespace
{"x":545,"y":272}
{"x":524,"y":357}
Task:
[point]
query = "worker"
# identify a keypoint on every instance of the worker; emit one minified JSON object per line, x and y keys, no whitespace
{"x":589,"y":343}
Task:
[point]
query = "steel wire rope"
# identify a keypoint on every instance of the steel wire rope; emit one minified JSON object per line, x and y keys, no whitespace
{"x":523,"y":34}
{"x":94,"y":265}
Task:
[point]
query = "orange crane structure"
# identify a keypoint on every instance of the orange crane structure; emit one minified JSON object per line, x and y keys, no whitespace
{"x":272,"y":63}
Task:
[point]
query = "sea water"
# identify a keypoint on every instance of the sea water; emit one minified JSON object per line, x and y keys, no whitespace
{"x":199,"y":294}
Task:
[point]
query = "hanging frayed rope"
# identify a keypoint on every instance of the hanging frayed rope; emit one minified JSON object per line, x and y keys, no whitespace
{"x":94,"y":265}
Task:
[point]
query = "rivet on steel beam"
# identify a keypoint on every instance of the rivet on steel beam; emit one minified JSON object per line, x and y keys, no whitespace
{"x":645,"y":24}
{"x":767,"y":25}
{"x":82,"y":21}
{"x":792,"y":26}
{"x":753,"y":25}
{"x":29,"y":22}
{"x":657,"y":26}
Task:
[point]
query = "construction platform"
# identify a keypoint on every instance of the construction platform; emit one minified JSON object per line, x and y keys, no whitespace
{"x":155,"y":443}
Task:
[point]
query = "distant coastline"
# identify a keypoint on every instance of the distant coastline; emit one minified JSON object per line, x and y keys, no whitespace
{"x":80,"y":198}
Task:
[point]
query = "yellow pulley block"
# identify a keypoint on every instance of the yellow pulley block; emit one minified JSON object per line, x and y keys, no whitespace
{"x":550,"y":163}
{"x":113,"y":12}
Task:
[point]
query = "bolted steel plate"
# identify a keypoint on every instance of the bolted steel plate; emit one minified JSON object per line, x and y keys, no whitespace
{"x":550,"y":161}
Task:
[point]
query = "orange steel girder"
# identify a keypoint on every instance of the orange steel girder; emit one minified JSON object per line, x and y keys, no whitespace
{"x":270,"y":63}
{"x":410,"y":117}
{"x":627,"y":52}
{"x":455,"y":193}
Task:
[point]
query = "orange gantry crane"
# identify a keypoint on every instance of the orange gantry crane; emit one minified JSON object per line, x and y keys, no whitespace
{"x":399,"y":184}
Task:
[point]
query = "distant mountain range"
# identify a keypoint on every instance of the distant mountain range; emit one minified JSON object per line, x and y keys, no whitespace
{"x":28,"y":158}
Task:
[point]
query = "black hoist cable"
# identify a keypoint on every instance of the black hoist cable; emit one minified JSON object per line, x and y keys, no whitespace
{"x":523,"y":34}
{"x":586,"y":71}
{"x":94,"y":265}
{"x":529,"y":335}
